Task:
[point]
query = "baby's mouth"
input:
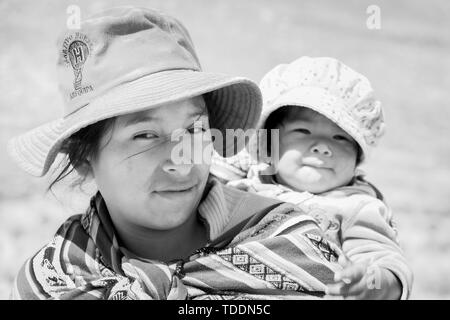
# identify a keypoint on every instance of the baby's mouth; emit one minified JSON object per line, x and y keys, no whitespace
{"x":314,"y":162}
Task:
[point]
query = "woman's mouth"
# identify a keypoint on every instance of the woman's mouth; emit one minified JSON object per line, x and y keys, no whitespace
{"x":177,"y":190}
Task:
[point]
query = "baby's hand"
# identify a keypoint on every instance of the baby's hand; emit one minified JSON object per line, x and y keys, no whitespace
{"x":242,"y":184}
{"x":357,"y":281}
{"x":267,"y":190}
{"x":262,"y":189}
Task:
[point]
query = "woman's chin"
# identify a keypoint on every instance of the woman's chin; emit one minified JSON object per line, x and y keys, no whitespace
{"x":165,"y":220}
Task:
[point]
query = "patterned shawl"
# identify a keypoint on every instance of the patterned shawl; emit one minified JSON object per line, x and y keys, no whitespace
{"x":279,"y":255}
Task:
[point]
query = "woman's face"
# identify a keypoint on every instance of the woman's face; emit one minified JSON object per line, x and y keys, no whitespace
{"x":139,"y":174}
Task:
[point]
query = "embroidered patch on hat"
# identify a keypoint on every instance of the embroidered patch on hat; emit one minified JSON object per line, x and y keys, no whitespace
{"x":76,"y":50}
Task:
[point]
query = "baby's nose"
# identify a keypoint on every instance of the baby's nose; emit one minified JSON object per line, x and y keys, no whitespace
{"x":321,"y":148}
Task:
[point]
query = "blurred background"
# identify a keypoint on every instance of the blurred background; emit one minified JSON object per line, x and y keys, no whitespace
{"x":407,"y":60}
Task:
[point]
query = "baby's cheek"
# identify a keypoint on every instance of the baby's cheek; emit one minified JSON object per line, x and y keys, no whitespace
{"x":346,"y":170}
{"x":350,"y":154}
{"x":285,"y":170}
{"x":346,"y":158}
{"x":290,"y":158}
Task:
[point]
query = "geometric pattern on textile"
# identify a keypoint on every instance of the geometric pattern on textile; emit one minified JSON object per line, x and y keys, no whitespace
{"x":246,"y":263}
{"x":323,"y":246}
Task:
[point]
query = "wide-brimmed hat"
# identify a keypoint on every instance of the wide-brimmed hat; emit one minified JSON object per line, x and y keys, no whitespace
{"x":129,"y":59}
{"x":329,"y":87}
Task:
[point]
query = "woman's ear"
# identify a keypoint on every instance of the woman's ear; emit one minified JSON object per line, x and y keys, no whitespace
{"x":84,"y":169}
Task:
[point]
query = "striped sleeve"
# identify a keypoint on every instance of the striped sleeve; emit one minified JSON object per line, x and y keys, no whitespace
{"x":64,"y":266}
{"x":70,"y":267}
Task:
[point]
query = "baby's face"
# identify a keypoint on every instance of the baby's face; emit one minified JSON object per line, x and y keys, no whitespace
{"x":315,"y":154}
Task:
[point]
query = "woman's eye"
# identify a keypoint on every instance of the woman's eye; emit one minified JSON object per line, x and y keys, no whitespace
{"x":196,"y":129}
{"x":145,"y":135}
{"x":302,"y":130}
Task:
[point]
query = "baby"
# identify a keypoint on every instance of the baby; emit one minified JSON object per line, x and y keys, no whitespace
{"x":328,"y":119}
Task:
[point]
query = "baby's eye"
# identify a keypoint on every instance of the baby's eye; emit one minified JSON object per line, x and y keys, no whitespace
{"x":302,"y":130}
{"x":339,"y":137}
{"x":145,"y":135}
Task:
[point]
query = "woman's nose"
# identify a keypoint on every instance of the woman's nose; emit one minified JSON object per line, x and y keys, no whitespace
{"x":181,"y":169}
{"x":322,"y":149}
{"x":179,"y":158}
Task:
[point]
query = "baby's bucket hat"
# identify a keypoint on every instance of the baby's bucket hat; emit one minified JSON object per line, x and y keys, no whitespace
{"x":330,"y":88}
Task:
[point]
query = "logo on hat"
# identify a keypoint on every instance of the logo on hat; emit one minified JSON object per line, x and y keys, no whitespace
{"x":76,"y":50}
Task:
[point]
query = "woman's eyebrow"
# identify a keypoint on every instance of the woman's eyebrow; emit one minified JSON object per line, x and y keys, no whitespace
{"x":197,"y":114}
{"x":139,"y":119}
{"x":136,"y":119}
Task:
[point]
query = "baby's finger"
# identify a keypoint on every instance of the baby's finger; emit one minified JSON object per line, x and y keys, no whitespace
{"x":333,"y":297}
{"x":356,"y":289}
{"x":337,"y":289}
{"x":344,"y":261}
{"x":351,"y":274}
{"x":342,"y":289}
{"x":239,"y":184}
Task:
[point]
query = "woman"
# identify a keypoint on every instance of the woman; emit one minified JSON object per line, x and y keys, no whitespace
{"x":159,"y":228}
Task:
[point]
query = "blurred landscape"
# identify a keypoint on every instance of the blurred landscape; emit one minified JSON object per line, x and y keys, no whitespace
{"x":407,"y":61}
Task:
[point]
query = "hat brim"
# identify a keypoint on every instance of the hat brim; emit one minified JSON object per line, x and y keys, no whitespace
{"x":233,"y":103}
{"x":321,"y":101}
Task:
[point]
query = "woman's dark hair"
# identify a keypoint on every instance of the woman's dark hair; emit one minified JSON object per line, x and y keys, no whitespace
{"x":80,"y":146}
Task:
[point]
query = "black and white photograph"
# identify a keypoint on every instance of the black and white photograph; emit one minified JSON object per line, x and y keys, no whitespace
{"x":224,"y":150}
